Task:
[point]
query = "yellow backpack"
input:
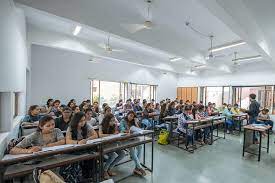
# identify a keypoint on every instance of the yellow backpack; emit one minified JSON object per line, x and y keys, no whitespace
{"x":163,"y":137}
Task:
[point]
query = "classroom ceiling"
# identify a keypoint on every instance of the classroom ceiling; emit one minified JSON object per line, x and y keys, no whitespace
{"x":169,"y":36}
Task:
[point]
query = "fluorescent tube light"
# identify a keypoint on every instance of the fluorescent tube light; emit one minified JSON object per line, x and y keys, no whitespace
{"x":175,"y":59}
{"x":77,"y":30}
{"x":226,"y":46}
{"x":248,"y":58}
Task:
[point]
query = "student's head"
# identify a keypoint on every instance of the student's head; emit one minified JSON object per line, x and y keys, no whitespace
{"x":187,"y":102}
{"x":73,"y":100}
{"x":46,"y":124}
{"x":128,"y":101}
{"x":265,"y":111}
{"x":50,"y":102}
{"x":163,"y":108}
{"x":34,"y":110}
{"x":188,"y":109}
{"x":88,"y":114}
{"x":224,"y":105}
{"x":108,"y":124}
{"x":78,"y":122}
{"x":88,"y":102}
{"x":107,"y":110}
{"x":229,"y":106}
{"x":181,"y":101}
{"x":214,"y":104}
{"x":71,"y":104}
{"x":157,"y":106}
{"x":76,"y":109}
{"x":201,"y":108}
{"x":130,"y":117}
{"x":148,"y":106}
{"x":66,"y":112}
{"x":201,"y":102}
{"x":95,"y":104}
{"x":236,"y":106}
{"x":252,"y":96}
{"x":56,"y":103}
{"x":171,"y":105}
{"x":104,"y":105}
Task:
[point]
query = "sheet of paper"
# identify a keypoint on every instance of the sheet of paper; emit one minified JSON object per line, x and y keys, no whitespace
{"x":44,"y":149}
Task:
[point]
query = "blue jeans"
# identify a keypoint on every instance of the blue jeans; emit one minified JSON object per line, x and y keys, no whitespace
{"x":113,"y":159}
{"x":135,"y":153}
{"x":270,"y":123}
{"x":229,"y":124}
{"x":189,"y":135}
{"x":147,"y":123}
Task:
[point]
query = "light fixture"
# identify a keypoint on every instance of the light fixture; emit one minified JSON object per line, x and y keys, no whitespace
{"x":226,"y":46}
{"x":247,"y":58}
{"x":174,"y":59}
{"x":199,"y":66}
{"x":77,"y":30}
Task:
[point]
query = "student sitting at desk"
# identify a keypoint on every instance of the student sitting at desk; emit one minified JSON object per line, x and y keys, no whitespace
{"x":171,"y":109}
{"x":89,"y":114}
{"x":183,"y":126}
{"x":33,"y":115}
{"x":71,"y":105}
{"x":137,"y":106}
{"x":48,"y":106}
{"x":56,"y":108}
{"x":107,"y":110}
{"x":128,"y":106}
{"x":201,"y":112}
{"x":63,"y":122}
{"x":265,"y":118}
{"x":76,"y":109}
{"x":79,"y":132}
{"x":229,"y":122}
{"x":135,"y":152}
{"x":108,"y":127}
{"x":45,"y":136}
{"x":148,"y":113}
{"x":235,"y":109}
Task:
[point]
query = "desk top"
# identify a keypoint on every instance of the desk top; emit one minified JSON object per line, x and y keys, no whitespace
{"x":239,"y":115}
{"x":261,"y":128}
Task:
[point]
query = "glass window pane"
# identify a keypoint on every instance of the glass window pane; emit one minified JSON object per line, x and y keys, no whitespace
{"x":214,"y":95}
{"x":109,"y":92}
{"x":95,"y":90}
{"x":246,"y":91}
{"x":226,"y":95}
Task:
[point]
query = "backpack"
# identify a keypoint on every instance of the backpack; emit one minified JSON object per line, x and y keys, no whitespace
{"x":12,"y":144}
{"x":46,"y":177}
{"x":163,"y":137}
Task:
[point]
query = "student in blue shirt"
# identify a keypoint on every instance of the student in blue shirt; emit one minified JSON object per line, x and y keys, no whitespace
{"x":33,"y":114}
{"x":135,"y":152}
{"x":229,"y":122}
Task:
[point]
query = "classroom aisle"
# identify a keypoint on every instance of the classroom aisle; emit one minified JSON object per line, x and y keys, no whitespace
{"x":221,"y":162}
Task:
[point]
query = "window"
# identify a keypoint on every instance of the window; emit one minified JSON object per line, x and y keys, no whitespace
{"x":16,"y":104}
{"x":214,"y":95}
{"x":226,"y":95}
{"x":110,"y":92}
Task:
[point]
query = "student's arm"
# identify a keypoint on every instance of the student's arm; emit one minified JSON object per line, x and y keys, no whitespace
{"x":92,"y":134}
{"x":100,"y":132}
{"x":69,"y":139}
{"x":22,"y":147}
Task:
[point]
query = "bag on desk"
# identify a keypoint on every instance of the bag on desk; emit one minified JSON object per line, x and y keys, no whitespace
{"x":49,"y":177}
{"x":163,"y":137}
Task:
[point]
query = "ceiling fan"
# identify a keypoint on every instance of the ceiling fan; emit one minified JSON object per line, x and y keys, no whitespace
{"x":147,"y":24}
{"x":211,"y":56}
{"x":107,"y":46}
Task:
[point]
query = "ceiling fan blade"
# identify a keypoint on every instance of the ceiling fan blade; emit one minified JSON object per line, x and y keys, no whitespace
{"x":133,"y":28}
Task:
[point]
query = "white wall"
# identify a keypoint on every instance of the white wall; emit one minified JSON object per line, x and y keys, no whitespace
{"x":13,"y":64}
{"x":65,"y":74}
{"x":13,"y":61}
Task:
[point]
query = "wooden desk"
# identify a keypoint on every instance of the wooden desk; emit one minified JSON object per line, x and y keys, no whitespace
{"x":260,"y":130}
{"x":239,"y":119}
{"x":15,"y":169}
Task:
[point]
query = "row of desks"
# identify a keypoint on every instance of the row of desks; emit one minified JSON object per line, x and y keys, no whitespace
{"x":12,"y":166}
